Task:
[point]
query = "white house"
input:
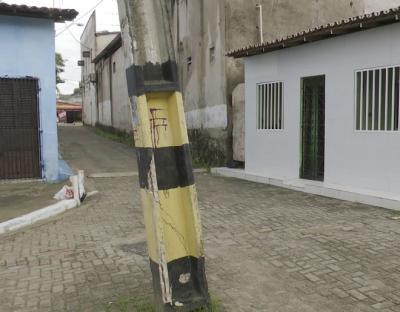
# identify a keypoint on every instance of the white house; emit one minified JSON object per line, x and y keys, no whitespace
{"x":322,"y":116}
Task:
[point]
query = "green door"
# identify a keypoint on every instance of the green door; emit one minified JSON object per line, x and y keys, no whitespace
{"x":313,"y":128}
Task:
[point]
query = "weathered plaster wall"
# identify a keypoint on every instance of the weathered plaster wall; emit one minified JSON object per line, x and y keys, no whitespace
{"x":89,"y":105}
{"x":377,"y":5}
{"x":104,"y":92}
{"x":238,"y":122}
{"x":198,"y":40}
{"x":121,"y":109}
{"x":103,"y":39}
{"x":21,"y":56}
{"x":204,"y":30}
{"x":95,"y":43}
{"x":112,"y":93}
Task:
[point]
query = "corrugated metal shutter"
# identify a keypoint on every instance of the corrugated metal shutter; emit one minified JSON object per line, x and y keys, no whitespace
{"x":19,"y":129}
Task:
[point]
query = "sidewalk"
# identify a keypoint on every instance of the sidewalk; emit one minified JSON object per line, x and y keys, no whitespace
{"x":19,"y":198}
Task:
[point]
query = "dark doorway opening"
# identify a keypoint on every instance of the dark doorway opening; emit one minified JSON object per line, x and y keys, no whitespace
{"x":313,"y":128}
{"x":19,"y":129}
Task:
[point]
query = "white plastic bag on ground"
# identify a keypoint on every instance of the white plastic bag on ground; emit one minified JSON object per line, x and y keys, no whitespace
{"x":66,"y":192}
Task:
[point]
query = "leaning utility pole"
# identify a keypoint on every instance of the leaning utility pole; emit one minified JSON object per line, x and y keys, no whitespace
{"x":168,"y":194}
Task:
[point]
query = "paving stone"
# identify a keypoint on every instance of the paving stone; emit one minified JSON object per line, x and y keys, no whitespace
{"x":267,"y":248}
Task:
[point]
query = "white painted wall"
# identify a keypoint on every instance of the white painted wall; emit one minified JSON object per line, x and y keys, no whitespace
{"x":378,"y":5}
{"x":368,"y":161}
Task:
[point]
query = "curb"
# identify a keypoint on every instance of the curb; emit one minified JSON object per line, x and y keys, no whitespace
{"x":37,"y":215}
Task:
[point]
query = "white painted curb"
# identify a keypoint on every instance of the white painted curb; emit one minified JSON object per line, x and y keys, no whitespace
{"x":37,"y":215}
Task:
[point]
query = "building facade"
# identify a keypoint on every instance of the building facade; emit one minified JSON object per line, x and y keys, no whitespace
{"x":92,"y":43}
{"x":28,"y":128}
{"x":323,"y":117}
{"x":112,"y":93}
{"x":204,"y":30}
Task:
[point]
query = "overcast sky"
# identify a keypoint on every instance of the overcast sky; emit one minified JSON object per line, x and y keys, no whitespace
{"x":107,"y":19}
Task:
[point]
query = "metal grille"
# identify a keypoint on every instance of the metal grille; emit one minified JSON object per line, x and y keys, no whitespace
{"x":377,"y":99}
{"x":313,"y":128}
{"x":19,"y":129}
{"x":270,"y":106}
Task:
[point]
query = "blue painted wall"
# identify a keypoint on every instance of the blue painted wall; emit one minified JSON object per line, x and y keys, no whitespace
{"x":28,"y":49}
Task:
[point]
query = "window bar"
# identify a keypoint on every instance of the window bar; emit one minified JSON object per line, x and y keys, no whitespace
{"x":258,"y":106}
{"x":367,"y":102}
{"x":386,"y":98}
{"x":271,"y":97}
{"x":373,"y":100}
{"x":393,"y":95}
{"x":269,"y":106}
{"x":361,"y":100}
{"x":275,"y":104}
{"x":266,"y":100}
{"x":279,"y":105}
{"x":263,"y":106}
{"x":398,"y":104}
{"x":380,"y":100}
{"x":273,"y":107}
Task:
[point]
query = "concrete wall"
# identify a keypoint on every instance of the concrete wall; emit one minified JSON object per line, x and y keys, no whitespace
{"x":121,"y":108}
{"x":21,"y":56}
{"x":355,"y":160}
{"x":238,"y":122}
{"x":103,"y":87}
{"x":112,"y":93}
{"x":94,"y":42}
{"x":89,"y":105}
{"x":202,"y":28}
{"x":377,"y":5}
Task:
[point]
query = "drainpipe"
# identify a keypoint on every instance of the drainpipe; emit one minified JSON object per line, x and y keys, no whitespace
{"x":260,"y":23}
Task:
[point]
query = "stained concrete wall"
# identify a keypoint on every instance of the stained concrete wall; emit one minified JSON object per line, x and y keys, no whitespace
{"x":377,"y":5}
{"x":29,"y":50}
{"x":238,"y":122}
{"x":204,"y":30}
{"x":94,"y":42}
{"x":112,"y":93}
{"x":354,"y":160}
{"x":121,"y":109}
{"x":88,"y":43}
{"x":103,"y":87}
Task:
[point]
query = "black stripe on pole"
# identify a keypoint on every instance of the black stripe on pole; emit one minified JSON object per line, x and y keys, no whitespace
{"x":151,"y":77}
{"x":173,"y":166}
{"x":188,"y":283}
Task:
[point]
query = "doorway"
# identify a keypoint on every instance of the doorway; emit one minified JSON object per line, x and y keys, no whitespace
{"x":19,"y":129}
{"x":313,"y":128}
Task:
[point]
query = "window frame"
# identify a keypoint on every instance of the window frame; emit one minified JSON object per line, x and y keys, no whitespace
{"x":282,"y":129}
{"x":355,"y":103}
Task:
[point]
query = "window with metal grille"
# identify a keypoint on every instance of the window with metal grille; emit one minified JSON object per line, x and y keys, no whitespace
{"x":270,"y":106}
{"x":377,"y":99}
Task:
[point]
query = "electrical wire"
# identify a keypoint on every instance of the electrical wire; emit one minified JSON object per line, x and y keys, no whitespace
{"x":79,"y":18}
{"x":80,"y":43}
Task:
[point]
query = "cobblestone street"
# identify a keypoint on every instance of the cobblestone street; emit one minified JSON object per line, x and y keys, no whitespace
{"x":268,"y":249}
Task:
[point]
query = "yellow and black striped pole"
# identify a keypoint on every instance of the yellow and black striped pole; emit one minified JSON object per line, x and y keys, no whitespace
{"x":167,"y":187}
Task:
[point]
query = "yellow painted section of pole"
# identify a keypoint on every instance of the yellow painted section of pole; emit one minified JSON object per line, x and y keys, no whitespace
{"x":178,"y":222}
{"x":162,"y":120}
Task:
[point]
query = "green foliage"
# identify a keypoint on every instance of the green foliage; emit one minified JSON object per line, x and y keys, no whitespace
{"x":115,"y":135}
{"x":60,"y":65}
{"x":206,"y":151}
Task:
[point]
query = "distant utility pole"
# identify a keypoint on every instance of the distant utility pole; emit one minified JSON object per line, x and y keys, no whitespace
{"x":168,"y":194}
